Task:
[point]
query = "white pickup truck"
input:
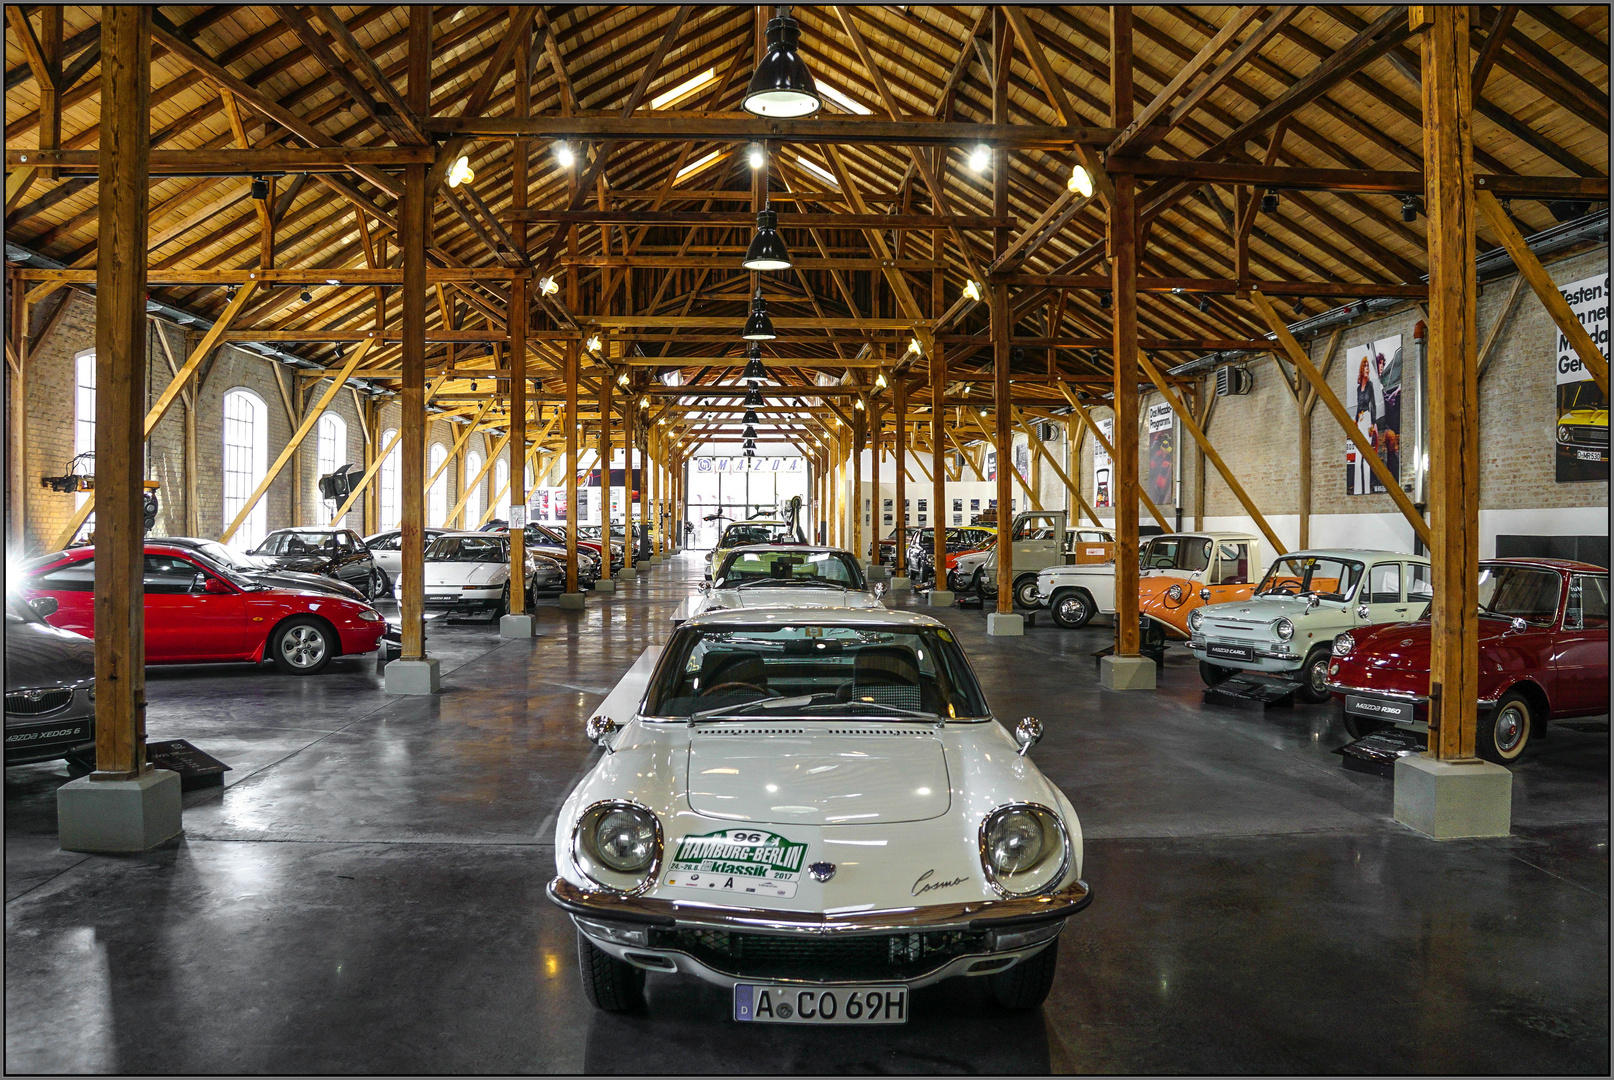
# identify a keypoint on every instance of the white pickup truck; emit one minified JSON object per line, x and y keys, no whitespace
{"x":1040,"y":539}
{"x":1074,"y":594}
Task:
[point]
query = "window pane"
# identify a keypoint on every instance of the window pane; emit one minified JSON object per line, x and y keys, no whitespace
{"x":1384,"y":584}
{"x":1420,"y":582}
{"x":246,"y":452}
{"x":437,"y":497}
{"x":473,"y":501}
{"x":74,"y":577}
{"x":390,"y":509}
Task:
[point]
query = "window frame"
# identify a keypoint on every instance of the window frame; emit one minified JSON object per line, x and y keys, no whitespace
{"x":255,"y":527}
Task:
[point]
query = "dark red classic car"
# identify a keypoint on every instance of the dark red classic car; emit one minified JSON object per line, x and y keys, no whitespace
{"x":1543,"y":656}
{"x":201,"y":611}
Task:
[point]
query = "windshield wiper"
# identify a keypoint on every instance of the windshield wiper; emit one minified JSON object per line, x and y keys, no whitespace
{"x":761,"y":703}
{"x":895,"y":710}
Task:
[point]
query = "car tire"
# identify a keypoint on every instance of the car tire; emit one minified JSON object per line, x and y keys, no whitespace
{"x":1312,"y":675}
{"x":1025,"y":591}
{"x":1360,"y":727}
{"x":1072,"y":608}
{"x":1212,"y":674}
{"x":303,"y":645}
{"x":1025,"y":986}
{"x":380,"y":585}
{"x":610,"y":984}
{"x":979,"y":584}
{"x":1503,"y":734}
{"x":80,"y":764}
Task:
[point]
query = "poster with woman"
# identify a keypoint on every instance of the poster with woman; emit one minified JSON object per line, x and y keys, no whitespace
{"x":1101,"y":466}
{"x":1373,"y":394}
{"x":1160,"y":469}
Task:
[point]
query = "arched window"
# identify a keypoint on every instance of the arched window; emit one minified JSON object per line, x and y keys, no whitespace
{"x":389,"y":482}
{"x":84,"y":419}
{"x":331,"y":456}
{"x":501,"y":484}
{"x":437,"y":496}
{"x":473,"y":498}
{"x":246,"y":459}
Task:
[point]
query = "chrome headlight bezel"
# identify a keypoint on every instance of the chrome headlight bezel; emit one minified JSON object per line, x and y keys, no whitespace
{"x":1196,"y":619}
{"x":1056,"y":856}
{"x":1283,"y":628}
{"x":1174,"y":593}
{"x":1344,"y":644}
{"x":586,"y":858}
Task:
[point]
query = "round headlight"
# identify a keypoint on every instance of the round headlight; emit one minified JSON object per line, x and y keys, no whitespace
{"x":1283,"y":628}
{"x":1024,"y":849}
{"x":1344,"y":644}
{"x":1563,"y":434}
{"x":1175,"y":592}
{"x":1196,"y":619}
{"x":618,"y":845}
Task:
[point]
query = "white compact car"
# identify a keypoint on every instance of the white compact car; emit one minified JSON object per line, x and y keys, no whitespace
{"x":820,"y":814}
{"x":1074,"y":594}
{"x":1306,"y":600}
{"x":468,"y":573}
{"x":792,"y":576}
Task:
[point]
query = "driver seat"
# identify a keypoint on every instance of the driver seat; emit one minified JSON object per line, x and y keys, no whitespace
{"x":724,"y":667}
{"x":888,"y":674}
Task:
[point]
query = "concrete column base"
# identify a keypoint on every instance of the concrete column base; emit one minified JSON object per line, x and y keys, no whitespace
{"x":902,"y":584}
{"x":627,"y":573}
{"x":941,"y":598}
{"x":414,"y":676}
{"x":1126,"y":673}
{"x":605,"y":585}
{"x":571,"y":601}
{"x":656,"y":560}
{"x":1447,"y":800}
{"x":119,"y":815}
{"x":518,"y":626}
{"x":1000,"y":625}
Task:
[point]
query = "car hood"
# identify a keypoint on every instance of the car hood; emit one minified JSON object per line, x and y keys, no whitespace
{"x":790,"y":596}
{"x":973,"y":559}
{"x":1263,"y":609}
{"x":301,"y":582}
{"x":467,"y":573}
{"x":39,"y":655}
{"x":1405,"y":646}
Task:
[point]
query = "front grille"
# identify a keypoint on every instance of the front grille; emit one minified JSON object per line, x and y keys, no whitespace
{"x":1588,"y":435}
{"x":37,"y":702}
{"x":779,"y":956}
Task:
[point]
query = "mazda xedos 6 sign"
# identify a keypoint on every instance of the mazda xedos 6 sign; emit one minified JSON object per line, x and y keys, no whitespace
{"x":817,"y":810}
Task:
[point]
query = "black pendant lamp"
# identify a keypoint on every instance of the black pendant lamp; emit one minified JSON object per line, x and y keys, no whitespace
{"x":767,"y":250}
{"x":754,"y":371}
{"x":749,"y":444}
{"x":782,"y":86}
{"x":754,"y":398}
{"x":749,"y":432}
{"x":759,"y":327}
{"x":750,"y":453}
{"x":750,"y":417}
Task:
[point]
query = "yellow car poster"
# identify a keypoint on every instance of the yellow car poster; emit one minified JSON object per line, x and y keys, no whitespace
{"x":1582,"y":429}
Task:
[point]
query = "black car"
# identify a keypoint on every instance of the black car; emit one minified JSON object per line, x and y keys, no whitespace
{"x":253,"y":568}
{"x":50,"y":689}
{"x":333,"y":553}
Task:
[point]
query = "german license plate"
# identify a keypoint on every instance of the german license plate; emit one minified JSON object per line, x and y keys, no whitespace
{"x":1229,"y":652}
{"x":774,"y":1003}
{"x":1379,"y":708}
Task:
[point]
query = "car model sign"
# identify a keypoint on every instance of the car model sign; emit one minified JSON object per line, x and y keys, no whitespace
{"x":738,"y":860}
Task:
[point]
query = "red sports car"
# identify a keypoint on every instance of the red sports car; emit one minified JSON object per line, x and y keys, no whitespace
{"x":1543,"y":655}
{"x":201,"y":611}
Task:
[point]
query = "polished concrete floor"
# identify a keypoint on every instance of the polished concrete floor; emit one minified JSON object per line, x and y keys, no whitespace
{"x":366,"y":895}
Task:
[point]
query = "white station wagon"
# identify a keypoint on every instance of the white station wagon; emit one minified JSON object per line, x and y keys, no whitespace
{"x":1306,"y":600}
{"x":789,"y":576}
{"x":820,"y":813}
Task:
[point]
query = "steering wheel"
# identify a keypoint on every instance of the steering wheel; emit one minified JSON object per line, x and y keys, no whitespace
{"x":1284,"y":590}
{"x":763,"y":690}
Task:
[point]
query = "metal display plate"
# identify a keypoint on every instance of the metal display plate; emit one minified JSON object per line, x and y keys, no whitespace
{"x":1379,"y":708}
{"x":1217,"y":650}
{"x":782,"y":1003}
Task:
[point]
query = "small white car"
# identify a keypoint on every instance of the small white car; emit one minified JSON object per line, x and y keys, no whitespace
{"x":1305,"y":601}
{"x":820,"y":814}
{"x":1040,"y":539}
{"x":1074,"y":594}
{"x":749,"y":533}
{"x":468,"y":573}
{"x":790,"y":576}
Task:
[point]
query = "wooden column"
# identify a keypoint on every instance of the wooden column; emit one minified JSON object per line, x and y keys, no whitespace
{"x":1454,"y":484}
{"x":1124,"y":263}
{"x":517,"y":321}
{"x":606,"y":383}
{"x":411,"y":240}
{"x":629,"y":420}
{"x":1003,"y":441}
{"x":876,"y":501}
{"x":120,"y":357}
{"x":572,"y":422}
{"x":645,"y":467}
{"x":859,"y":428}
{"x":17,"y":413}
{"x":938,"y":461}
{"x":899,"y":405}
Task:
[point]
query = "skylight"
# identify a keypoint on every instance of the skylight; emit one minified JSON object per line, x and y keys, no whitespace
{"x":697,"y":165}
{"x":846,"y":103}
{"x":817,"y":170}
{"x":683,"y":89}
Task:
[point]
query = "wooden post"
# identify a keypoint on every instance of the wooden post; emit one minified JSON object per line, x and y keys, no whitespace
{"x":1003,"y":441}
{"x":120,"y":356}
{"x":859,"y":432}
{"x":938,"y":461}
{"x":629,"y":420}
{"x":646,"y":472}
{"x":899,"y":404}
{"x":412,"y":421}
{"x":1454,"y":472}
{"x":17,"y":413}
{"x":1124,"y":286}
{"x":571,"y":465}
{"x":517,"y":322}
{"x":605,"y":474}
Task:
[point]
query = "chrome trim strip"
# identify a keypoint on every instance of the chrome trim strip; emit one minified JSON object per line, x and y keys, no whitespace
{"x":986,"y":862}
{"x":1393,"y":695}
{"x":597,"y":810}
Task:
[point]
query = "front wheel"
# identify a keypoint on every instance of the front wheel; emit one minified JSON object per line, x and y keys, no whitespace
{"x":1072,"y":609}
{"x":986,"y":586}
{"x":610,"y":984}
{"x":302,"y":645}
{"x":1026,"y":985}
{"x":380,"y":585}
{"x":1502,"y":736}
{"x":1314,"y":676}
{"x":1212,"y":674}
{"x":1025,"y":592}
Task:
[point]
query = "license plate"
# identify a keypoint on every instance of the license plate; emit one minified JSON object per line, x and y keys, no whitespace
{"x":1379,"y":709}
{"x":1229,"y":652}
{"x":775,"y":1003}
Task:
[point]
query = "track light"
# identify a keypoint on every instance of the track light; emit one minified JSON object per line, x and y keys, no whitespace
{"x":1269,"y":202}
{"x":339,"y":350}
{"x":564,"y":155}
{"x":644,"y":402}
{"x":972,"y":290}
{"x":980,"y":158}
{"x":781,"y":85}
{"x":1204,"y":303}
{"x":622,"y":379}
{"x":756,"y":157}
{"x":879,"y":380}
{"x":1409,"y":208}
{"x":473,"y":386}
{"x":460,"y":172}
{"x":1080,"y":182}
{"x":260,"y":188}
{"x":750,"y":417}
{"x":758,"y":327}
{"x":593,"y":344}
{"x":307,"y":297}
{"x":1105,"y":299}
{"x":767,"y":250}
{"x":229,"y":292}
{"x":548,"y":286}
{"x":753,"y":398}
{"x":858,"y":404}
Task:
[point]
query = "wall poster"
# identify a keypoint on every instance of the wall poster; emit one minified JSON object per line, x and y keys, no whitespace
{"x":1373,"y":396}
{"x":1102,"y":466}
{"x":1582,"y":409}
{"x":1022,"y":461}
{"x":1162,"y":465}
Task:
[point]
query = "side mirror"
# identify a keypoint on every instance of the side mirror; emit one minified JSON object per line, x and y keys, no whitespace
{"x":1028,"y":733}
{"x":1362,"y":612}
{"x":1518,"y":625}
{"x":216,"y":587}
{"x":600,"y":728}
{"x":878,"y":589}
{"x":44,"y":606}
{"x":1204,"y":595}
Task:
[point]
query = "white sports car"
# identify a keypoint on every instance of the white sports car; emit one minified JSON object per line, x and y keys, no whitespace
{"x":469,"y":573}
{"x":790,"y":576}
{"x":821,"y":815}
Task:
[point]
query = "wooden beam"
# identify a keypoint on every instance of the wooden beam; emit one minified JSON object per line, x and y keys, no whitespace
{"x":1134,"y":139}
{"x":393,"y":123}
{"x":1064,"y":478}
{"x":390,"y":101}
{"x":459,"y":442}
{"x":670,"y":126}
{"x":1487,"y":349}
{"x":1372,"y":181}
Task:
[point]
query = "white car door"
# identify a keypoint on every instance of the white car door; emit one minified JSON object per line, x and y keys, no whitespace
{"x":1382,"y":594}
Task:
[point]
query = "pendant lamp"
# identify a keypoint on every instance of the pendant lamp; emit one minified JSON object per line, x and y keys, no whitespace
{"x":759,"y":327}
{"x":781,"y":85}
{"x":754,"y":398}
{"x":750,"y":417}
{"x":754,"y":371}
{"x":767,"y":250}
{"x":749,"y":444}
{"x":749,"y":432}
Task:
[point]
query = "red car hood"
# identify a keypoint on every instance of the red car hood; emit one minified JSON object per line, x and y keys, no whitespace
{"x":1395,"y":656}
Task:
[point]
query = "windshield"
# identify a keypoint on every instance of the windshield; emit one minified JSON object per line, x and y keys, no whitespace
{"x":1191,"y":553}
{"x":1329,"y":579}
{"x":298,"y":543}
{"x":479,"y":548}
{"x":221,"y":554}
{"x":789,"y":568}
{"x":18,"y":610}
{"x":757,"y":532}
{"x":224,"y":570}
{"x":814,"y":671}
{"x":1519,"y":592}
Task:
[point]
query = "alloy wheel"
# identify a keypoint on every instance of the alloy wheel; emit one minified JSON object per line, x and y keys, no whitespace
{"x":303,"y":646}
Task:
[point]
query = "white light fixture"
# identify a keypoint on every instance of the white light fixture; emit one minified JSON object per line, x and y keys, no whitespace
{"x":593,"y":343}
{"x":1081,"y":181}
{"x":980,"y":158}
{"x":756,"y":157}
{"x":972,"y":290}
{"x":622,"y":379}
{"x":697,"y":165}
{"x":460,"y":172}
{"x":548,"y":286}
{"x":683,"y":89}
{"x":879,"y":380}
{"x":846,"y":103}
{"x":644,"y":402}
{"x":817,"y":170}
{"x":858,"y":404}
{"x":564,"y":155}
{"x":914,"y":346}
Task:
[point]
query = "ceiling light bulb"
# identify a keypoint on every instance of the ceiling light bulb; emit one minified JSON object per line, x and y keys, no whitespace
{"x":564,"y":155}
{"x":622,"y":379}
{"x":858,"y":404}
{"x":460,"y":172}
{"x":781,"y":85}
{"x":767,"y":250}
{"x":1080,"y":182}
{"x":972,"y":289}
{"x":756,"y":157}
{"x":983,"y":412}
{"x":879,"y":379}
{"x":980,"y":158}
{"x":914,"y":346}
{"x":644,"y":402}
{"x":593,"y":343}
{"x":548,"y":286}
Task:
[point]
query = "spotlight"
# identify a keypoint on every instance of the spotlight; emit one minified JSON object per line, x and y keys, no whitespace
{"x":1409,"y":208}
{"x":260,"y":188}
{"x":622,"y":379}
{"x":914,"y":346}
{"x":767,"y":250}
{"x":750,"y":417}
{"x":564,"y":155}
{"x":972,"y":289}
{"x":1105,"y":299}
{"x":548,"y":286}
{"x":339,"y":350}
{"x":1080,"y":182}
{"x":879,"y":380}
{"x":756,"y":157}
{"x":781,"y":84}
{"x":1269,"y":202}
{"x":229,"y":292}
{"x":460,"y":172}
{"x":593,"y":344}
{"x":858,"y":404}
{"x":753,"y":398}
{"x":980,"y":158}
{"x":644,"y":402}
{"x":1204,"y":303}
{"x":758,"y":327}
{"x":307,"y":296}
{"x":473,"y":386}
